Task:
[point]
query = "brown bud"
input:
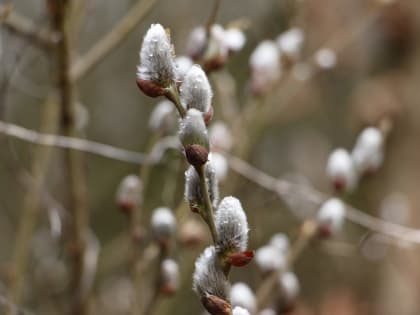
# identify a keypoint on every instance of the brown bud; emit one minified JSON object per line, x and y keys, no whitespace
{"x":215,"y":63}
{"x":126,"y":207}
{"x":215,"y":305}
{"x":150,"y":88}
{"x":339,"y":184}
{"x":196,"y":154}
{"x":167,"y":290}
{"x":240,"y":259}
{"x":324,"y":231}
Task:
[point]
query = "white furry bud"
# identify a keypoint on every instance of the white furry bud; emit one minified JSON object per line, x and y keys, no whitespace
{"x":231,"y":226}
{"x":340,"y":170}
{"x":325,"y":58}
{"x":193,"y":190}
{"x":240,"y":311}
{"x":242,"y":295}
{"x":196,"y":90}
{"x":170,"y":276}
{"x":280,"y":241}
{"x":265,"y":66}
{"x":269,"y":258}
{"x":289,"y":285}
{"x":367,"y":154}
{"x":196,"y":42}
{"x":234,"y":39}
{"x":208,"y":277}
{"x":129,"y":193}
{"x":183,"y":64}
{"x":220,"y":165}
{"x":162,"y":116}
{"x":291,"y":41}
{"x":220,"y":136}
{"x":156,"y":57}
{"x":193,"y":129}
{"x":163,"y":224}
{"x":331,"y":216}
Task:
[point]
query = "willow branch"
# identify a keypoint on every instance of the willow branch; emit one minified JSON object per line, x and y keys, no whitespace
{"x":31,"y":206}
{"x":285,"y":190}
{"x":73,"y":143}
{"x":75,"y":164}
{"x":110,"y":41}
{"x":25,"y":28}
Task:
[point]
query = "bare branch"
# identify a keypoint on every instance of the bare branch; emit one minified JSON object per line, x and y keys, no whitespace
{"x":24,"y":27}
{"x":284,"y":189}
{"x":105,"y":45}
{"x":72,"y":143}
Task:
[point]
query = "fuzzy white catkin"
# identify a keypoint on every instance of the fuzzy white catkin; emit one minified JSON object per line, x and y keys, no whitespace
{"x":340,"y":169}
{"x":196,"y":42}
{"x":280,"y":241}
{"x":265,"y":58}
{"x":170,"y":273}
{"x":220,"y":136}
{"x":234,"y":39}
{"x":367,"y":154}
{"x":291,"y":41}
{"x":156,"y":57}
{"x":183,"y":64}
{"x":240,"y":311}
{"x":163,"y":223}
{"x":220,"y":165}
{"x":193,"y":130}
{"x":331,"y":215}
{"x":192,"y":190}
{"x":289,"y":285}
{"x":208,"y":278}
{"x":269,"y":258}
{"x":196,"y":90}
{"x":325,"y":58}
{"x":159,"y":117}
{"x":242,"y":295}
{"x":231,"y":225}
{"x":129,"y":192}
{"x":265,"y":66}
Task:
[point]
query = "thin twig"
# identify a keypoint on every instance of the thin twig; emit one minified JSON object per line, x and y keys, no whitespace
{"x":31,"y":205}
{"x":212,"y":17}
{"x":73,"y":143}
{"x":24,"y":27}
{"x":285,"y":189}
{"x":208,"y":216}
{"x":75,"y":164}
{"x":108,"y":43}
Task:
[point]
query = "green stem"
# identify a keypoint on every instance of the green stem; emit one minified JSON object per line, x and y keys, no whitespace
{"x":208,"y":215}
{"x":173,"y":95}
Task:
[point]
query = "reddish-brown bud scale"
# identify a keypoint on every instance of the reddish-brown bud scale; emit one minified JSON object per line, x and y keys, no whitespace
{"x":208,"y":116}
{"x":215,"y":305}
{"x":240,"y":259}
{"x":126,"y":207}
{"x":214,"y":63}
{"x":150,"y":88}
{"x":196,"y":154}
{"x":167,"y":290}
{"x":324,"y":231}
{"x":340,"y":184}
